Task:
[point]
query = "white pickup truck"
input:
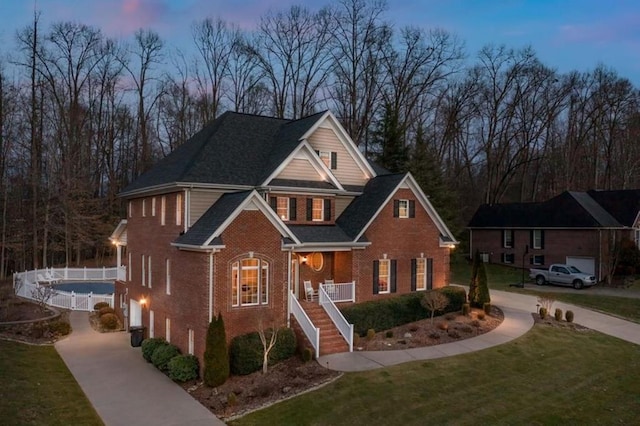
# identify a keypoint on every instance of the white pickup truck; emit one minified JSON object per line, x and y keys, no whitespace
{"x":562,"y":275}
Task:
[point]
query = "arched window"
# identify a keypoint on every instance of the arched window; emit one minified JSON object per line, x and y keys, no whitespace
{"x":250,"y":282}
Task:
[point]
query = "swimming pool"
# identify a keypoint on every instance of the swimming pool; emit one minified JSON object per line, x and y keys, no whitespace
{"x":86,"y":287}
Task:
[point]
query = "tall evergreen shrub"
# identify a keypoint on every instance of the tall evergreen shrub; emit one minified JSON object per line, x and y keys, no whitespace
{"x":216,"y":355}
{"x":482,"y":291}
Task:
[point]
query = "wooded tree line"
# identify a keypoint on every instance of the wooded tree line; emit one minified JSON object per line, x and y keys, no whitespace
{"x":82,"y":114}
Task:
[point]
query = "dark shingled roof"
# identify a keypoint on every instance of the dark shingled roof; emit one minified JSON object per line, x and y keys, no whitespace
{"x":290,"y":183}
{"x":360,"y":211}
{"x":211,"y":220}
{"x":234,"y":149}
{"x":567,"y":210}
{"x":623,"y":204}
{"x":320,"y":234}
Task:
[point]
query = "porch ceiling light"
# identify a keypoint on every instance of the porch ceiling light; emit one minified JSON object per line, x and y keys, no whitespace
{"x":303,"y":260}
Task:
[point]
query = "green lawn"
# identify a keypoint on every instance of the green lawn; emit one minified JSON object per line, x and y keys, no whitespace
{"x":500,"y":277}
{"x":36,"y":388}
{"x":548,"y":376}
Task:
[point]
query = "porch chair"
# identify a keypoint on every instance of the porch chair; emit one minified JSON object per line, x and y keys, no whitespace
{"x":49,"y":277}
{"x":330,"y":288}
{"x":309,"y":292}
{"x":42,"y":280}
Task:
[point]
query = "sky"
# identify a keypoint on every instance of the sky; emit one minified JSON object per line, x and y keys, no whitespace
{"x":565,"y":34}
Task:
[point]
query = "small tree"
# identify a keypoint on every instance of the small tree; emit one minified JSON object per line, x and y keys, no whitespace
{"x":434,"y":301}
{"x":268,"y":338}
{"x":473,"y":284}
{"x":216,"y":355}
{"x":482,"y":290}
{"x":42,"y":294}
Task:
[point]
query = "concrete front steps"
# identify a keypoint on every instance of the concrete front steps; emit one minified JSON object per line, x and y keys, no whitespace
{"x":331,"y":341}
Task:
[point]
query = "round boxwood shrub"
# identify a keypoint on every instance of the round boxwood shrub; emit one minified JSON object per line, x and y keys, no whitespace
{"x":568,"y":316}
{"x":466,"y":309}
{"x":149,"y":346}
{"x":558,"y":314}
{"x":163,"y":354}
{"x":543,"y":313}
{"x":106,"y":310}
{"x":183,"y":368}
{"x":100,"y":305}
{"x":109,"y":321}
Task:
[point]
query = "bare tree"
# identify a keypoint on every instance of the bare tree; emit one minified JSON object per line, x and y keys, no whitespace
{"x":268,"y":337}
{"x":434,"y":301}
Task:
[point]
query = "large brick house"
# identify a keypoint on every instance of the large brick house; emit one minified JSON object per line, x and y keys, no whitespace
{"x":239,"y":216}
{"x":578,"y":228}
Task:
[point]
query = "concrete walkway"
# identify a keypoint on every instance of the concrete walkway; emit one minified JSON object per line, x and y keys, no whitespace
{"x":121,"y":385}
{"x":518,"y":320}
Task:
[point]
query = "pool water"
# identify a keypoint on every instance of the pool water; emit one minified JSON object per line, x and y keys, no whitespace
{"x":86,"y":287}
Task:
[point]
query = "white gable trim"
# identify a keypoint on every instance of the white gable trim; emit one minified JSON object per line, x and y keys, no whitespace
{"x":328,"y":120}
{"x":252,"y":202}
{"x":305,"y":151}
{"x":409,"y":182}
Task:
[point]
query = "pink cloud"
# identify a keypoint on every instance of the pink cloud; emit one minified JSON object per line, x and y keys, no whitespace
{"x":619,"y":29}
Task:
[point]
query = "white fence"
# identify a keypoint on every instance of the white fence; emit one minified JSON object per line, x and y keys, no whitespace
{"x":26,"y":284}
{"x":341,"y":292}
{"x":311,"y":331}
{"x":336,"y":316}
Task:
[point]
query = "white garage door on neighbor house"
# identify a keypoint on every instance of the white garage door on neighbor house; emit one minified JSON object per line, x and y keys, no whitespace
{"x":585,"y":264}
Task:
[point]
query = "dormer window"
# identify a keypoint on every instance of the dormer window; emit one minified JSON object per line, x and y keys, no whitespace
{"x":404,"y":209}
{"x":329,"y":158}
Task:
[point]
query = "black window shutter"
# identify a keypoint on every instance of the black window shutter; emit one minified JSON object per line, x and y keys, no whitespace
{"x":327,"y":209}
{"x":393,"y":275}
{"x":542,"y":238}
{"x":334,"y":160}
{"x":376,"y":270}
{"x":429,"y":274}
{"x":413,"y":274}
{"x":317,"y":152}
{"x":531,"y":239}
{"x":412,"y":208}
{"x":502,"y":257}
{"x":502,"y":244}
{"x":309,"y":209}
{"x":396,"y":208}
{"x":274,"y":202}
{"x":513,"y":238}
{"x":292,"y":209}
{"x":542,"y":260}
{"x":530,"y":260}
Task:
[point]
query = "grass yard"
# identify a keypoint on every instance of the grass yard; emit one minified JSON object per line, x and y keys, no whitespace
{"x":500,"y":277}
{"x":549,"y":376}
{"x":36,"y":388}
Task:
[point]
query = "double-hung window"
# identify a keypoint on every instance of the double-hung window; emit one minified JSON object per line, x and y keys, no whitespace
{"x":507,"y":238}
{"x":537,"y":239}
{"x":250,"y":282}
{"x":404,"y":209}
{"x":384,"y":275}
{"x":329,"y":158}
{"x":283,"y":208}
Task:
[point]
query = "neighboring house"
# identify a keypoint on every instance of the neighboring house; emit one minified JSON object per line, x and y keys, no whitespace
{"x":578,"y":228}
{"x":238,"y":217}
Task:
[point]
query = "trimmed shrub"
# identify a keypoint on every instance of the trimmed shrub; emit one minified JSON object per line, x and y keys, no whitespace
{"x":59,"y":328}
{"x":149,"y":346}
{"x":232,"y":399}
{"x":466,"y":309}
{"x":389,"y":313}
{"x":371,"y":333}
{"x":216,"y":355}
{"x":568,"y":316}
{"x":100,"y":305}
{"x":487,"y":308}
{"x":183,"y":368}
{"x":106,"y":310}
{"x":109,"y":321}
{"x":307,"y":354}
{"x":245,"y":351}
{"x":163,"y":354}
{"x":482,"y":295}
{"x":543,"y":313}
{"x":558,"y":314}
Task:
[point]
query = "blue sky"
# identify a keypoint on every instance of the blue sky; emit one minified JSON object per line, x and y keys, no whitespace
{"x":566,"y":34}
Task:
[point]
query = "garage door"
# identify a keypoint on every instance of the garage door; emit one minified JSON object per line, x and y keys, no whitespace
{"x":585,"y":264}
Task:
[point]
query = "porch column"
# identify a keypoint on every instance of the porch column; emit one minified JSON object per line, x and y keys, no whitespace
{"x":118,"y":255}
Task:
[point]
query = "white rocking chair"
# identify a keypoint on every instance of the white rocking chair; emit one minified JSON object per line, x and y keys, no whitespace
{"x":309,"y":292}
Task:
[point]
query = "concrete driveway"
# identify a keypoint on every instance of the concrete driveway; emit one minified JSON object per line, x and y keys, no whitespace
{"x":125,"y":389}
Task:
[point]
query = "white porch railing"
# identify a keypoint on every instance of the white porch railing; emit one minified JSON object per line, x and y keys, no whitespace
{"x":341,"y":292}
{"x":25,"y":284}
{"x":336,"y":316}
{"x":311,"y":331}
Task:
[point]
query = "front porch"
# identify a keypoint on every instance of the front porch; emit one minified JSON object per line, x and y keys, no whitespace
{"x":329,"y":269}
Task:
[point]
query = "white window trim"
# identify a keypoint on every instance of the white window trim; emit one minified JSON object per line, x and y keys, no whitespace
{"x":130,"y":208}
{"x":421,"y":284}
{"x":144,"y":207}
{"x":152,"y":326}
{"x":129,"y":267}
{"x":313,"y":209}
{"x":153,"y":206}
{"x":284,"y":216}
{"x":143,"y":271}
{"x":191,"y":341}
{"x":167,"y":329}
{"x":388,"y":263}
{"x":504,"y":238}
{"x":149,"y":270}
{"x":178,"y":209}
{"x":406,"y":209}
{"x":325,"y":155}
{"x":168,"y":275}
{"x":538,"y":240}
{"x":163,"y":210}
{"x":262,"y":282}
